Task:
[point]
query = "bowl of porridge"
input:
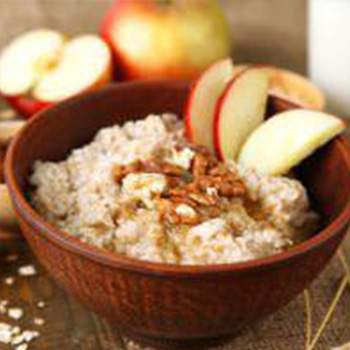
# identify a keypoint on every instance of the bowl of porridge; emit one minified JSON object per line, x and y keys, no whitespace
{"x":174,"y":247}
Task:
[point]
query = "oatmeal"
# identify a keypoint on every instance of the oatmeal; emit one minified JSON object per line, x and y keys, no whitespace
{"x":143,"y":191}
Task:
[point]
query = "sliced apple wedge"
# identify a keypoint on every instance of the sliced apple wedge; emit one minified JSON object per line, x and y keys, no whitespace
{"x":292,"y":86}
{"x":240,"y":110}
{"x":42,"y":67}
{"x":286,"y":139}
{"x":9,"y":129}
{"x":200,"y":109}
{"x":85,"y":63}
{"x":26,"y":58}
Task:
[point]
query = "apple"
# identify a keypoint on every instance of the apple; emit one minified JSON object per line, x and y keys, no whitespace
{"x":7,"y":114}
{"x":202,"y":101}
{"x":286,"y":139}
{"x":9,"y":129}
{"x":42,"y":67}
{"x":239,"y":111}
{"x":288,"y":85}
{"x":174,"y":39}
{"x":25,"y":106}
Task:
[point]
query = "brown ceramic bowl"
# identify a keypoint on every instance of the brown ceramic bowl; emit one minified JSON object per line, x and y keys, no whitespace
{"x":167,"y":305}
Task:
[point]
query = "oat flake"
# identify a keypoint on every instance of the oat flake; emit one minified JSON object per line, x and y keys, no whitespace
{"x":28,"y":270}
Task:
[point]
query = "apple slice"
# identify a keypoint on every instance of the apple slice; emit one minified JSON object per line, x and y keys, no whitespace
{"x":292,"y":86}
{"x":284,"y":140}
{"x":85,"y":63}
{"x":240,"y":110}
{"x":7,"y":114}
{"x":200,"y":109}
{"x":41,"y":68}
{"x":25,"y":106}
{"x":24,"y":60}
{"x":9,"y":129}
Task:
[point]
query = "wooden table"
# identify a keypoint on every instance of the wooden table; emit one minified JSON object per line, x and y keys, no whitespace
{"x":69,"y":326}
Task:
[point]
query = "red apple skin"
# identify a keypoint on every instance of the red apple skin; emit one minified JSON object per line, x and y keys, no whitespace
{"x":216,"y":136}
{"x":25,"y":106}
{"x":187,"y":113}
{"x":187,"y":110}
{"x":106,"y":32}
{"x":119,"y":10}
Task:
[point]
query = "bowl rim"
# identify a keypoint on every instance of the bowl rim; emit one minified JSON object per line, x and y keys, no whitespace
{"x":114,"y":260}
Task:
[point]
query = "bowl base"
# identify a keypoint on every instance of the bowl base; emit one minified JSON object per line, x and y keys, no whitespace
{"x":175,"y":344}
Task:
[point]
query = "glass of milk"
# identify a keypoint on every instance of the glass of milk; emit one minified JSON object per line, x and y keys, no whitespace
{"x":329,"y":51}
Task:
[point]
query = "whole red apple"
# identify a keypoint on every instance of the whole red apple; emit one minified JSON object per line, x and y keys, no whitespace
{"x":166,"y":39}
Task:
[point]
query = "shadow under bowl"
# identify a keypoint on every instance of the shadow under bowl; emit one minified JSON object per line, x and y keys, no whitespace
{"x":169,"y":306}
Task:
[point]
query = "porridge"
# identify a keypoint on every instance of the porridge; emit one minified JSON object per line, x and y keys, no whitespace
{"x":143,"y":191}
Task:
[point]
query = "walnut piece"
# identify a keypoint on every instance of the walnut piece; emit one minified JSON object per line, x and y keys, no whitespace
{"x":198,"y":189}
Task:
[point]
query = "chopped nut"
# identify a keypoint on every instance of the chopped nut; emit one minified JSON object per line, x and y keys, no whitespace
{"x":205,"y":182}
{"x":151,"y":166}
{"x":189,"y":220}
{"x":173,"y":181}
{"x":184,"y":200}
{"x":211,"y":191}
{"x":133,"y":167}
{"x":164,"y":207}
{"x":118,"y":173}
{"x":192,"y":187}
{"x":218,"y":171}
{"x":200,"y":164}
{"x":154,"y":166}
{"x":231,"y":190}
{"x":182,"y":157}
{"x":169,"y":169}
{"x":184,"y":216}
{"x":202,"y":199}
{"x":181,"y":212}
{"x":185,"y":210}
